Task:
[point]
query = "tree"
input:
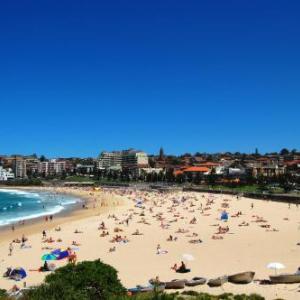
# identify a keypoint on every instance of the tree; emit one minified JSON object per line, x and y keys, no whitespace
{"x":86,"y":280}
{"x":42,"y":158}
{"x":294,"y":151}
{"x":284,"y":151}
{"x":161,"y":153}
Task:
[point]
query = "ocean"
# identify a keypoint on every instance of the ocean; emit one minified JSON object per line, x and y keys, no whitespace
{"x":17,"y":205}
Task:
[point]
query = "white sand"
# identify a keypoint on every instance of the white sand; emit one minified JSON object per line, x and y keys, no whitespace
{"x":243,"y":248}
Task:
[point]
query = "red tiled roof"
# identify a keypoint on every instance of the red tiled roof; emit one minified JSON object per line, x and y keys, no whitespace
{"x":292,"y":163}
{"x":196,"y":169}
{"x":178,"y":172}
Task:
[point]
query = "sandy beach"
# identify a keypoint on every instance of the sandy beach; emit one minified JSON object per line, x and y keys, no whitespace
{"x":253,"y":236}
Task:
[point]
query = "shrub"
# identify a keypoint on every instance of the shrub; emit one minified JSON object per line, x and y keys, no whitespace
{"x":86,"y":280}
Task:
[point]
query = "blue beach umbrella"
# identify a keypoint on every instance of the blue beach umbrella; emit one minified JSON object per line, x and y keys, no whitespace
{"x":49,"y":257}
{"x":56,"y":252}
{"x":224,"y":216}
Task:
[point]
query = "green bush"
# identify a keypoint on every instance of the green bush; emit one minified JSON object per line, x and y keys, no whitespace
{"x":94,"y":280}
{"x":86,"y":280}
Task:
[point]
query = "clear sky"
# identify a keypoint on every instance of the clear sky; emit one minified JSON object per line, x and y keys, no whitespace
{"x":78,"y":77}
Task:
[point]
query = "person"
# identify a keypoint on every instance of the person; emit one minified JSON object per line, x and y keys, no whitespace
{"x":298,"y":271}
{"x":182,"y":268}
{"x":158,"y":249}
{"x":45,"y":267}
{"x":7,"y":273}
{"x":15,"y":288}
{"x":10,"y":248}
{"x":44,"y":234}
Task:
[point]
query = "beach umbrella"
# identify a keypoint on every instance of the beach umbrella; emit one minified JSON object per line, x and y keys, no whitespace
{"x":56,"y":252}
{"x":18,"y":272}
{"x":188,"y":257}
{"x":49,"y":257}
{"x":275,"y":266}
{"x":224,"y":216}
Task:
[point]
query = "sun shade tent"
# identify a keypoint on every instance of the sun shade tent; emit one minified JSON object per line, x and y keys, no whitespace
{"x":224,"y":216}
{"x":49,"y":257}
{"x":56,"y":252}
{"x":63,"y":254}
{"x":139,"y":203}
{"x":275,"y":266}
{"x":18,"y":273}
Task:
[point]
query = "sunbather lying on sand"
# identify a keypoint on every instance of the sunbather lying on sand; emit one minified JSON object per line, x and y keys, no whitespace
{"x":104,"y":233}
{"x":112,"y":249}
{"x":198,"y":241}
{"x":49,"y":240}
{"x":272,"y":230}
{"x":244,"y":224}
{"x":160,"y":251}
{"x":137,"y":232}
{"x":217,"y":237}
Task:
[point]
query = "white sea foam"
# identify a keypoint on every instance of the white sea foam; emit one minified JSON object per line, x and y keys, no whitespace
{"x":53,"y":206}
{"x":19,"y":192}
{"x":54,"y":210}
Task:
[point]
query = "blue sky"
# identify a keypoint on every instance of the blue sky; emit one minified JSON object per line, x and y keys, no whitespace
{"x":78,"y":77}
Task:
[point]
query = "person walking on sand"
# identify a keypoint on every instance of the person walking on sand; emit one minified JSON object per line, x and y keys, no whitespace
{"x":10,"y":249}
{"x":158,"y":249}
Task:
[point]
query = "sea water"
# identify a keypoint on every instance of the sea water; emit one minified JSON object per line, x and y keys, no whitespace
{"x":18,"y":205}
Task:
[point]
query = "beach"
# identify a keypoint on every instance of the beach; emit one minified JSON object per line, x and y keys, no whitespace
{"x":138,"y":244}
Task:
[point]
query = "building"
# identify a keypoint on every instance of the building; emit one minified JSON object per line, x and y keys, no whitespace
{"x":6,"y":174}
{"x":19,"y":167}
{"x":192,"y":172}
{"x":57,"y":167}
{"x":84,"y":169}
{"x":32,"y":165}
{"x":133,"y":160}
{"x":52,"y":167}
{"x":43,"y":168}
{"x":108,"y":160}
{"x":127,"y":160}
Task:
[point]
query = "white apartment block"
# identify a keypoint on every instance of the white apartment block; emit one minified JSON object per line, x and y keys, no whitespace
{"x":131,"y":160}
{"x":6,"y":174}
{"x":51,"y":167}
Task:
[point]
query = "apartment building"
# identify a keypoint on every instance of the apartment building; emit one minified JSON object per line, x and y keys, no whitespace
{"x":19,"y":167}
{"x":127,"y":160}
{"x":52,"y":167}
{"x":6,"y":174}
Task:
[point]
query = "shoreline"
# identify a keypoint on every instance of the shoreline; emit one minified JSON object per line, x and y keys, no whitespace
{"x":70,"y":213}
{"x":248,"y":247}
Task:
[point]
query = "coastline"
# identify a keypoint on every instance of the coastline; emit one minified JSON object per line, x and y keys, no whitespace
{"x":70,"y":213}
{"x":243,"y":248}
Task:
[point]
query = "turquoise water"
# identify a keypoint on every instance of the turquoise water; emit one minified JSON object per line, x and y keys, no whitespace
{"x":17,"y":205}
